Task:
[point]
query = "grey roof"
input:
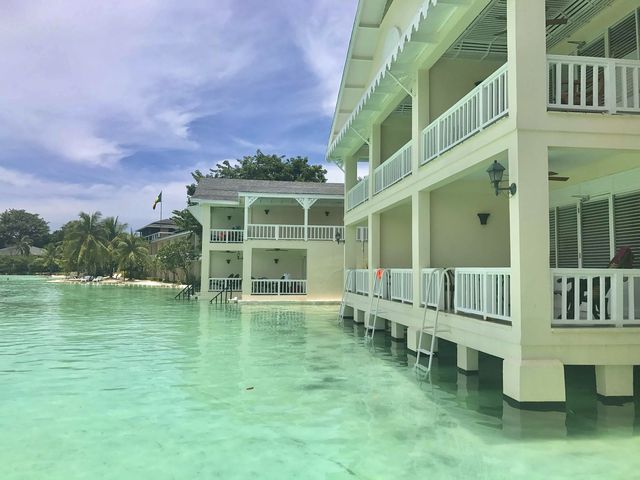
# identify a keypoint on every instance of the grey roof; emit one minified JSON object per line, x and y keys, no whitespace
{"x":12,"y":250}
{"x":164,"y":223}
{"x":227,"y":189}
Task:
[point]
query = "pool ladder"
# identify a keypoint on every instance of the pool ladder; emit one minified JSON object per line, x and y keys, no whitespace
{"x":380,"y":276}
{"x":348,"y":286}
{"x":440,"y":277}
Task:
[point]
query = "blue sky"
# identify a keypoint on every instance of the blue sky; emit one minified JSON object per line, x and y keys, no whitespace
{"x":104,"y":104}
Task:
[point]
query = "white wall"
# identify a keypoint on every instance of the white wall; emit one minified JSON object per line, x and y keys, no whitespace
{"x":457,"y":238}
{"x":292,"y":262}
{"x":219,"y":217}
{"x":396,"y":132}
{"x":317,"y":215}
{"x":395,"y":238}
{"x":451,"y":79}
{"x":278,"y":214}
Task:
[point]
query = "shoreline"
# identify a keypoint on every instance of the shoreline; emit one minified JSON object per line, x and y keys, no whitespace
{"x":114,"y":282}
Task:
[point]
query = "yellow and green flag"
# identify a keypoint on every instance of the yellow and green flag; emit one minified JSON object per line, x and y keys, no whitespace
{"x":158,"y":200}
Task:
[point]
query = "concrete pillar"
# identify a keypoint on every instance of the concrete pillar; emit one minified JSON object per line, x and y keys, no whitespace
{"x":419,"y":115}
{"x":379,"y":325}
{"x":413,"y":339}
{"x":420,"y":239}
{"x":614,"y":380}
{"x":247,"y":258}
{"x":350,"y":167}
{"x":527,"y":57}
{"x":398,"y":331}
{"x":205,"y":261}
{"x":350,"y":247}
{"x":358,"y":316}
{"x":467,"y":359}
{"x":375,"y":143}
{"x":533,"y":381}
{"x":373,"y":245}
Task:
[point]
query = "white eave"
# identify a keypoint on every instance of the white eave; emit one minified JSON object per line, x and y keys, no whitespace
{"x":400,"y":62}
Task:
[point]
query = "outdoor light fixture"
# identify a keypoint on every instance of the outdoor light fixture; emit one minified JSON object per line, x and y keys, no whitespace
{"x":266,"y":211}
{"x":338,"y":237}
{"x":483,"y":218}
{"x":326,"y":213}
{"x":228,"y":217}
{"x":228,"y":261}
{"x":276,"y":260}
{"x":496,"y":171}
{"x":239,"y":256}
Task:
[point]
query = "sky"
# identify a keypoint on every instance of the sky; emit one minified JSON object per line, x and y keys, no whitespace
{"x":105,"y":104}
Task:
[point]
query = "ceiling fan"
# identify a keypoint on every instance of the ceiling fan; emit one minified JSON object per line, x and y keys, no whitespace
{"x":550,"y":22}
{"x":277,"y":250}
{"x":553,"y":176}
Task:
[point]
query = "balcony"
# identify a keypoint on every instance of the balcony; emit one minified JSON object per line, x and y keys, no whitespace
{"x":221,"y":235}
{"x":393,"y":170}
{"x":358,"y":194}
{"x":231,"y":284}
{"x":590,"y":84}
{"x":481,"y":107}
{"x":278,"y":287}
{"x":277,"y":232}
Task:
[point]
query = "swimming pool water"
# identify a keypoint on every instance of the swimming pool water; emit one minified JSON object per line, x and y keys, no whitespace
{"x":127,"y":383}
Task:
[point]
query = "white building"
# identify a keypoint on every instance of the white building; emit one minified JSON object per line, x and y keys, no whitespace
{"x":433,"y":93}
{"x":267,"y":240}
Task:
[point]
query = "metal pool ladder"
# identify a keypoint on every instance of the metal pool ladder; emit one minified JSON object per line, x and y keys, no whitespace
{"x":348,"y":286}
{"x":440,"y":276}
{"x":379,"y":278}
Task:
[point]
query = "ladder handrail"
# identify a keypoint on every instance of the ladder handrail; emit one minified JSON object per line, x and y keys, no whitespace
{"x":369,"y":325}
{"x":348,"y":284}
{"x":187,"y":291}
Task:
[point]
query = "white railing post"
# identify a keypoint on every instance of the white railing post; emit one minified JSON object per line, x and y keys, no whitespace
{"x":611,"y":99}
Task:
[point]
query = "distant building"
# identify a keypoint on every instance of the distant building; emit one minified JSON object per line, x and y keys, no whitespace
{"x":268,"y":240}
{"x":12,"y":251}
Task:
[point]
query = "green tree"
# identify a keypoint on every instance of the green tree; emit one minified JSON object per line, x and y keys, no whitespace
{"x":264,"y":167}
{"x":130,"y":253}
{"x":176,"y":256}
{"x":113,"y":228}
{"x":50,"y":258}
{"x":186,"y":222}
{"x":16,"y":224}
{"x":86,"y":243}
{"x":24,"y":246}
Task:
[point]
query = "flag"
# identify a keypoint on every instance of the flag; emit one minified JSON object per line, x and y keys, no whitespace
{"x":158,"y":200}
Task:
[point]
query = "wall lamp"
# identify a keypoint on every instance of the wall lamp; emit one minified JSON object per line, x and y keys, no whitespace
{"x":276,"y":260}
{"x":496,"y":172}
{"x":326,"y":213}
{"x":338,"y":238}
{"x":228,"y":217}
{"x":266,"y":211}
{"x":228,"y":261}
{"x":483,"y":218}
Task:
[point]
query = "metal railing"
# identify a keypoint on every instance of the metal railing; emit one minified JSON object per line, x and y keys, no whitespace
{"x":429,"y":287}
{"x":482,"y":106}
{"x":358,"y":194}
{"x":361,"y":283}
{"x":158,"y":236}
{"x":484,"y":291}
{"x":593,"y":84}
{"x":223,"y":235}
{"x":595,"y":297}
{"x":232,"y":284}
{"x":293,"y":232}
{"x":401,"y":285}
{"x":394,"y":169}
{"x":278,"y":287}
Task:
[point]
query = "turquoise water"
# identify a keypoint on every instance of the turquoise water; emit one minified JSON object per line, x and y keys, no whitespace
{"x":100,"y":382}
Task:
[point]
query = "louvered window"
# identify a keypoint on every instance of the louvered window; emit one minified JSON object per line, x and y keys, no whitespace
{"x":567,"y":236}
{"x":623,"y":38}
{"x":626,"y":220}
{"x":594,"y":49}
{"x":552,"y":239}
{"x":594,"y":231}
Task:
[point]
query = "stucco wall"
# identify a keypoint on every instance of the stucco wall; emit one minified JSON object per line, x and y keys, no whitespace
{"x":395,"y":133}
{"x":451,"y":79}
{"x":219,"y":217}
{"x":395,"y":238}
{"x":281,"y":215}
{"x":219,"y":268}
{"x":292,"y":262}
{"x":457,"y":238}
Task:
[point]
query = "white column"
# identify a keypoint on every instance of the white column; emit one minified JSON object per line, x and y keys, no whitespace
{"x":248,"y":201}
{"x":247,"y":259}
{"x":467,"y":359}
{"x":306,"y":223}
{"x":529,"y":381}
{"x":614,"y":380}
{"x":375,"y":140}
{"x":420,"y":240}
{"x":419,"y":116}
{"x":205,"y":259}
{"x":398,"y":331}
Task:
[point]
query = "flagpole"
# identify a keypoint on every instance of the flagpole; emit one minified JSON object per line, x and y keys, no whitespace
{"x":160,"y":209}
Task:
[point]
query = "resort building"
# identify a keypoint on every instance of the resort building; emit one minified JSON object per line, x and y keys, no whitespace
{"x":439,"y":95}
{"x":268,"y":240}
{"x":160,"y":232}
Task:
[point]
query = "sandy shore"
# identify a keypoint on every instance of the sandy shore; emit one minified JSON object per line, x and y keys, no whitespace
{"x":116,"y":282}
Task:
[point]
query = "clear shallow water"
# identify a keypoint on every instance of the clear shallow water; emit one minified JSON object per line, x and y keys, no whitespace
{"x":126,"y":383}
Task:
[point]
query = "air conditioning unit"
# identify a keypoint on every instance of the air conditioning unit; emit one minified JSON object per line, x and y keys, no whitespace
{"x":362,"y":234}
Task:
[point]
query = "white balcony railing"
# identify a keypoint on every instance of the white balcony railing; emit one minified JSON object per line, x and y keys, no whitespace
{"x":401,"y":284}
{"x":358,"y":194}
{"x":436,"y":294}
{"x":293,"y":232}
{"x":596,"y":297}
{"x":220,"y":235}
{"x":482,"y":106}
{"x":394,"y":169}
{"x":360,"y":283}
{"x":158,"y":235}
{"x":484,"y":291}
{"x":324,"y":232}
{"x":278,"y":287}
{"x":593,"y":84}
{"x":218,"y":284}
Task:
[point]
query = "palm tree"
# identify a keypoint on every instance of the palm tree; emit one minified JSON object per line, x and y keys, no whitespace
{"x":113,"y":228}
{"x":131,"y":253}
{"x":87,"y":243}
{"x":24,"y":246}
{"x":50,"y":257}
